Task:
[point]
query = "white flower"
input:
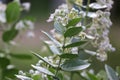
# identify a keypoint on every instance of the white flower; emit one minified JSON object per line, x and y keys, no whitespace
{"x":10,"y":66}
{"x":29,"y":24}
{"x":51,"y":18}
{"x":97,"y":6}
{"x":101,"y":55}
{"x":20,"y":25}
{"x":31,"y":71}
{"x":21,"y":73}
{"x":24,"y":24}
{"x":26,"y":6}
{"x":23,"y":77}
{"x":74,"y":50}
{"x":13,"y":43}
{"x":2,"y":17}
{"x":30,"y":34}
{"x":2,"y":13}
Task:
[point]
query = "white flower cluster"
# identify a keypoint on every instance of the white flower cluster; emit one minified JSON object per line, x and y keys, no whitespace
{"x":98,"y":32}
{"x":26,"y":24}
{"x":108,"y":3}
{"x":63,"y":15}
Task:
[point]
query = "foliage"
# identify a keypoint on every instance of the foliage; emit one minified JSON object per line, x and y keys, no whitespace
{"x":11,"y":24}
{"x":78,"y":35}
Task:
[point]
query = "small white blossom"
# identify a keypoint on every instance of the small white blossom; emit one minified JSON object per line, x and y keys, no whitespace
{"x":21,"y":73}
{"x":26,"y":6}
{"x":30,"y":34}
{"x":101,"y":55}
{"x":20,"y":25}
{"x":13,"y":43}
{"x":10,"y":66}
{"x":29,"y":24}
{"x":74,"y":50}
{"x":23,"y":77}
{"x":31,"y":71}
{"x":97,"y":6}
{"x":2,"y":13}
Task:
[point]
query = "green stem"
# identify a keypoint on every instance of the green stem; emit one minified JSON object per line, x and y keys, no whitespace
{"x":71,"y":75}
{"x":0,"y":74}
{"x":57,"y":70}
{"x":87,"y":10}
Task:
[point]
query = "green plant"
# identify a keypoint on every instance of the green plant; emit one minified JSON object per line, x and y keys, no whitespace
{"x":77,"y":37}
{"x":11,"y":24}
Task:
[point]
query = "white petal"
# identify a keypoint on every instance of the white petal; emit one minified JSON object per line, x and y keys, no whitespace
{"x":97,"y":6}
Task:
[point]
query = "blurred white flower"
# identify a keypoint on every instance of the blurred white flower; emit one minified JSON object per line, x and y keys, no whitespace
{"x":29,"y":24}
{"x":26,"y":6}
{"x":20,"y":25}
{"x":13,"y":43}
{"x":21,"y":73}
{"x":2,"y":13}
{"x":51,"y":18}
{"x":97,"y":6}
{"x":10,"y":66}
{"x":23,"y":77}
{"x":30,"y":34}
{"x":74,"y":50}
{"x":101,"y":55}
{"x":31,"y":71}
{"x":24,"y":24}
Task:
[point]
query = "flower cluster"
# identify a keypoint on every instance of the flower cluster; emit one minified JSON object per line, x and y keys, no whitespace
{"x":78,"y":34}
{"x":97,"y":32}
{"x":63,"y":15}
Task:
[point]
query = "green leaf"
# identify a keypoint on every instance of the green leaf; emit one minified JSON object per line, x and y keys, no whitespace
{"x":92,"y":76}
{"x":12,"y":12}
{"x":9,"y":35}
{"x":118,"y":70}
{"x":59,"y":27}
{"x":111,"y":73}
{"x":41,"y":58}
{"x":21,"y":56}
{"x":54,"y":49}
{"x":75,"y":44}
{"x":10,"y":73}
{"x":36,"y":77}
{"x":72,"y":31}
{"x":83,"y":55}
{"x":52,"y":39}
{"x":102,"y":75}
{"x":30,"y":18}
{"x":69,"y":56}
{"x":73,"y":22}
{"x":43,"y":70}
{"x":74,"y":65}
{"x":4,"y":62}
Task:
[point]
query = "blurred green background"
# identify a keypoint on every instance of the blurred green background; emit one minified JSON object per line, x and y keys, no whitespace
{"x":41,"y":10}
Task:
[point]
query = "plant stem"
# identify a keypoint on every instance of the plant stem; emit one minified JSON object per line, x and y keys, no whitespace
{"x":87,"y":10}
{"x":57,"y":70}
{"x":0,"y":74}
{"x":71,"y":76}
